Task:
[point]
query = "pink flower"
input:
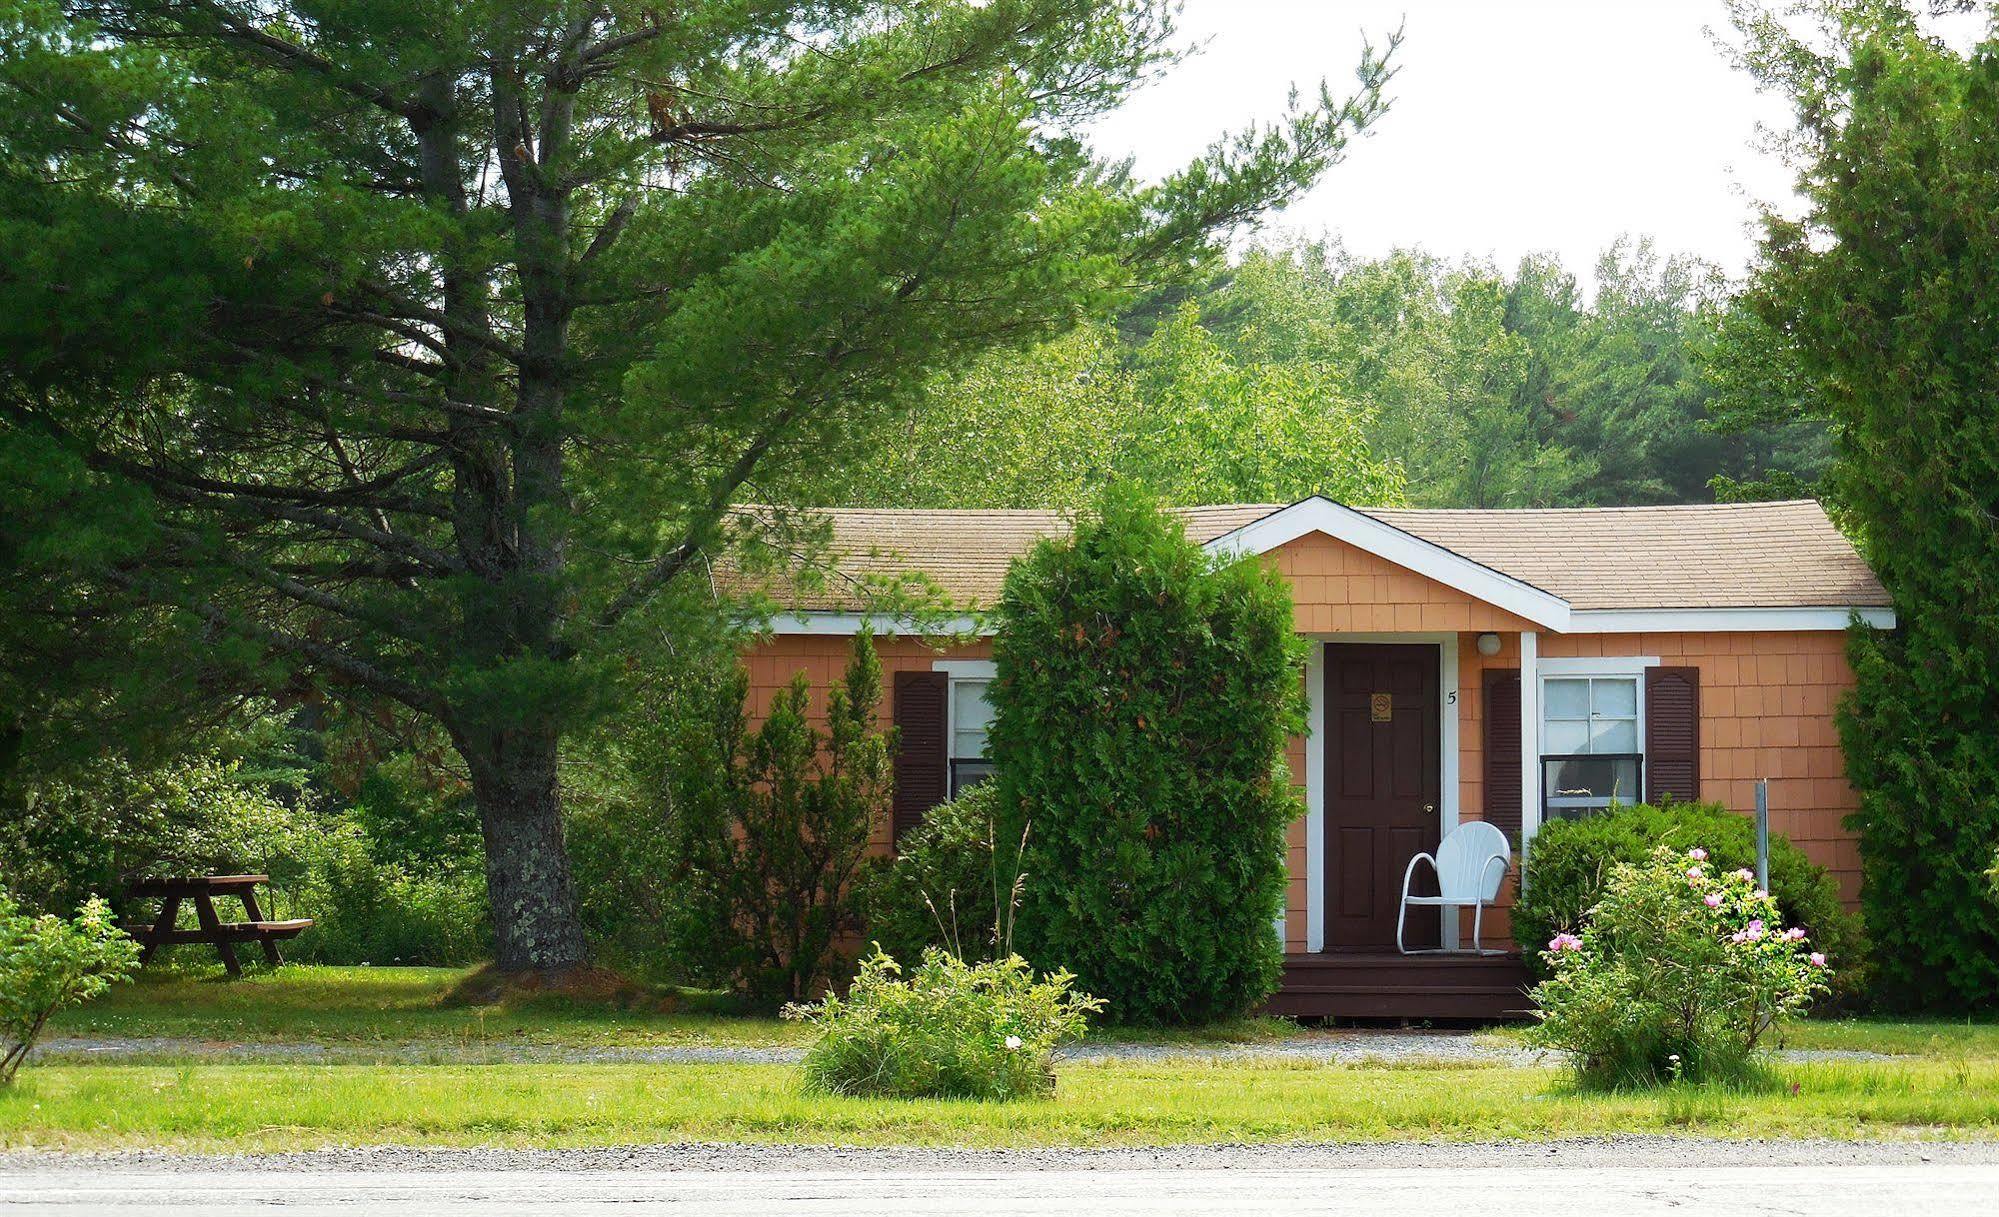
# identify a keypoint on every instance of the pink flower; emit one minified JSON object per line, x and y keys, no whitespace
{"x":1712,"y":900}
{"x":1695,"y":874}
{"x":1754,"y":930}
{"x":1817,"y":958}
{"x":1795,"y":934}
{"x":1565,"y":942}
{"x":1761,"y":894}
{"x":1739,"y":936}
{"x":1744,"y":874}
{"x":1697,"y":854}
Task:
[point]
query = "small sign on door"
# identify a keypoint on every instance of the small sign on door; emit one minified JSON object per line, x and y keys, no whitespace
{"x":1381,"y":707}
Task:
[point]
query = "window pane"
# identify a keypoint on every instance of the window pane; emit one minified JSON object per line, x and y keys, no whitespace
{"x":1564,"y":738}
{"x":1568,"y":699}
{"x":967,"y":774}
{"x":1616,"y":698}
{"x":1580,"y":786}
{"x":1614,"y":735}
{"x":1591,"y":780}
{"x":969,"y":709}
{"x":968,"y":744}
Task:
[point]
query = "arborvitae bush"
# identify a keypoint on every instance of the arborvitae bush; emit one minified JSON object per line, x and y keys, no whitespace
{"x":1880,"y":292}
{"x":1145,"y":694}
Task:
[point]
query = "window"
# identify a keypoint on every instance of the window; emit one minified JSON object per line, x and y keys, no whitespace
{"x":971,"y":716}
{"x":1591,"y":754}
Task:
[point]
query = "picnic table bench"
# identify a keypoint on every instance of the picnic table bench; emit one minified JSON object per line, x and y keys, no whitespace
{"x":202,"y":890}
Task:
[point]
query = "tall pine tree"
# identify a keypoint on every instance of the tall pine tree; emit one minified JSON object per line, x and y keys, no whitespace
{"x":418,"y":350}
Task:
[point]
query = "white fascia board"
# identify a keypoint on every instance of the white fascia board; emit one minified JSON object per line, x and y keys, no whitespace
{"x":849,"y":624}
{"x":1598,"y":665}
{"x":1717,"y":620}
{"x":1405,"y":549}
{"x":966,"y":669}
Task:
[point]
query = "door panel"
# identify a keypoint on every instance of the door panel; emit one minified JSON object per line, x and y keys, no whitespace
{"x":1384,"y":782}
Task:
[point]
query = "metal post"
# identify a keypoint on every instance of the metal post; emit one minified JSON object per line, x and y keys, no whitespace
{"x":1763,"y":833}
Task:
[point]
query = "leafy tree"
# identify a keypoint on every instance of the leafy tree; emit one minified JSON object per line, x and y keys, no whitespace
{"x":1181,"y":415}
{"x":417,"y":352}
{"x":1884,"y":288}
{"x":1490,"y":389}
{"x":1145,"y":695}
{"x":1451,"y":406}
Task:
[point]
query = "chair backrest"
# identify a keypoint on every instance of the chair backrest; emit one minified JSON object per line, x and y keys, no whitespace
{"x":1464,"y":861}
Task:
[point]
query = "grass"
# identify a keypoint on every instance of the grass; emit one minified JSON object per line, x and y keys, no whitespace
{"x":1910,"y":1037}
{"x":360,"y":1006}
{"x":357,"y":1007}
{"x":1933,"y":1039}
{"x":252,"y":1108}
{"x":1948,"y":1085}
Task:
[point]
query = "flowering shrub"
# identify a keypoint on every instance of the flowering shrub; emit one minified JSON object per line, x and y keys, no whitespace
{"x":950,"y":1030}
{"x":1678,"y":973}
{"x":47,"y":963}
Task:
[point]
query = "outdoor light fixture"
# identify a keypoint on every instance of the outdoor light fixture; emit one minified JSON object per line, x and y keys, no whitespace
{"x":1488,"y":644}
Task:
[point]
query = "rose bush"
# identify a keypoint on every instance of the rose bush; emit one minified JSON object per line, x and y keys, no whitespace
{"x":951,"y":1029}
{"x":1680,"y":972}
{"x":49,"y":963}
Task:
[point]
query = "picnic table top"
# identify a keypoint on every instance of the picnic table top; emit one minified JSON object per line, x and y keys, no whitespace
{"x":190,"y":884}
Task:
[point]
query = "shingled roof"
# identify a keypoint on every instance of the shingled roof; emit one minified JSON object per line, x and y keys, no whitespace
{"x":1729,"y":555}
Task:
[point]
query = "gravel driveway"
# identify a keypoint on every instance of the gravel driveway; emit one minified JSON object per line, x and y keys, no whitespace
{"x":1340,"y":1047}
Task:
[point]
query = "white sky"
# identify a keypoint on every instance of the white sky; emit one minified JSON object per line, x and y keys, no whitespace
{"x":1517,"y":125}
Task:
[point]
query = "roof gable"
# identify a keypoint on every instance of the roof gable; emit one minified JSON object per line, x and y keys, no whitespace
{"x":1405,"y":549}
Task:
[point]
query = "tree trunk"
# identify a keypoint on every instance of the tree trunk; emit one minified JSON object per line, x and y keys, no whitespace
{"x":528,"y":886}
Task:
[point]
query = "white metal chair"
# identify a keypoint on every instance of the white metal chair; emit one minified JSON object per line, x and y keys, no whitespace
{"x":1466,"y":877}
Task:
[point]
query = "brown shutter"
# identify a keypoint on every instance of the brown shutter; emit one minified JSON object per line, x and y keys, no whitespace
{"x":922,"y":767}
{"x":1672,"y":734}
{"x":1500,"y":747}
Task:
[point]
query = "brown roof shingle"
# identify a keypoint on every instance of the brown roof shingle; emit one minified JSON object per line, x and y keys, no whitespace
{"x":1728,"y":555}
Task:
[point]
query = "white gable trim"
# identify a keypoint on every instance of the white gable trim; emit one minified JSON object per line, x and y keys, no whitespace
{"x":1719,"y":620}
{"x":848,"y":624}
{"x":1406,"y":550}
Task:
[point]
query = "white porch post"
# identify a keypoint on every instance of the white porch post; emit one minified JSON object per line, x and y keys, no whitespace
{"x":1530,"y":743}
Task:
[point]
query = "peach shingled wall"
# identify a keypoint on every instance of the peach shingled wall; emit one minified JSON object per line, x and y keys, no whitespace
{"x":1767,"y":702}
{"x":823,"y":659}
{"x":1767,"y":698}
{"x":1336,"y":588}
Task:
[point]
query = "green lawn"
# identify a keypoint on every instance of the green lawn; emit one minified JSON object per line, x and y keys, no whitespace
{"x":1930,"y":1039}
{"x":250,"y":1108}
{"x":356,"y":1007}
{"x":1948,"y":1086}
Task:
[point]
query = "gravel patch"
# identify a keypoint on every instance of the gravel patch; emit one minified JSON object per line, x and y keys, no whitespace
{"x":1346,"y":1047}
{"x":1618,"y":1151}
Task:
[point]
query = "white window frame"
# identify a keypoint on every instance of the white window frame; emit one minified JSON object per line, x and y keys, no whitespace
{"x":1601,"y":667}
{"x":959,"y":671}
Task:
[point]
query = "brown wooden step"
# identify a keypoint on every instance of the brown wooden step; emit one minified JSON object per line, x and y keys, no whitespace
{"x":1392,"y":985}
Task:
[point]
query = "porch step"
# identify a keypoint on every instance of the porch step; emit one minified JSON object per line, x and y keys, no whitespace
{"x":1388,"y":984}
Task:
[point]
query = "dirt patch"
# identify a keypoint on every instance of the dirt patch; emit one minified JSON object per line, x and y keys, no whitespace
{"x":587,"y":985}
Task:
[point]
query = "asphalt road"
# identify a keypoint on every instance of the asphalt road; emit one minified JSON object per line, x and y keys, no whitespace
{"x":1482,"y":1191}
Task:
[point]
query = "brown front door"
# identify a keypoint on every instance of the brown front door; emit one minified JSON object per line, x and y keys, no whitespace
{"x":1383,"y":782}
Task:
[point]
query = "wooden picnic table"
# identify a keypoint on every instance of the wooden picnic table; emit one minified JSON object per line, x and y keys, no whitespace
{"x":202,"y":890}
